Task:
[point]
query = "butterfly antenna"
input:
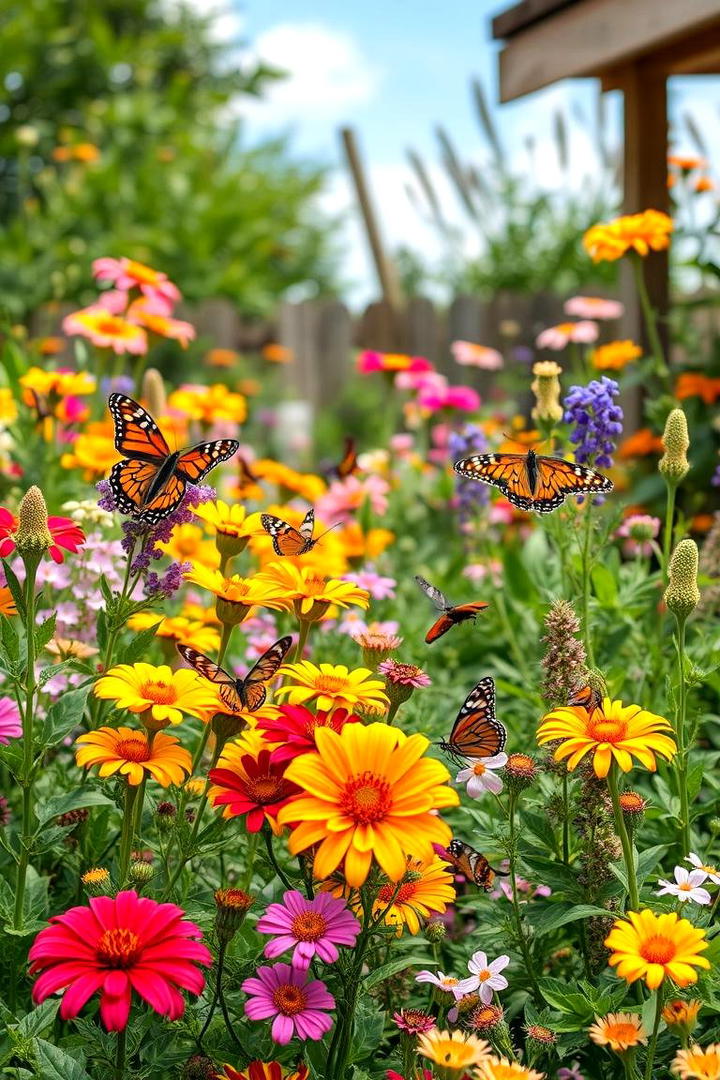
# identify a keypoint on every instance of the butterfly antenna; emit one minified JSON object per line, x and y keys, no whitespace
{"x":335,"y":526}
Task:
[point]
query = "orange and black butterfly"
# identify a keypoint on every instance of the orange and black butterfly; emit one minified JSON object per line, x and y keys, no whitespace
{"x":476,"y":732}
{"x":531,"y":482}
{"x":451,"y":614}
{"x":246,"y":694}
{"x":348,"y":464}
{"x":246,"y":476}
{"x":286,"y":539}
{"x":472,"y":864}
{"x":586,"y":697}
{"x":150,"y":481}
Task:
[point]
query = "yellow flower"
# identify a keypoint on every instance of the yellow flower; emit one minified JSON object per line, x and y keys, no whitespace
{"x":368,"y":792}
{"x":230,"y":520}
{"x":106,"y":331}
{"x":195,"y":786}
{"x":453,"y":1050}
{"x":333,"y":687}
{"x":67,"y":647}
{"x":62,"y":383}
{"x":209,"y":404}
{"x":309,"y":486}
{"x":199,"y":613}
{"x":128,"y":752}
{"x":360,"y":545}
{"x":187,"y":543}
{"x":615,"y":355}
{"x":426,"y":889}
{"x":682,"y":1014}
{"x":698,"y":1063}
{"x":502,"y":1069}
{"x":311,"y":594}
{"x":160,"y":693}
{"x":654,"y":947}
{"x":645,"y":232}
{"x":8,"y":408}
{"x":197,"y":635}
{"x":236,"y":595}
{"x":619,"y":1031}
{"x":614,"y":731}
{"x":93,"y":452}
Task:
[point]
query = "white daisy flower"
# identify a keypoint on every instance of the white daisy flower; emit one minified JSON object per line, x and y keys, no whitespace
{"x":485,"y":977}
{"x":686,"y":886}
{"x":712,"y":871}
{"x":479,"y":776}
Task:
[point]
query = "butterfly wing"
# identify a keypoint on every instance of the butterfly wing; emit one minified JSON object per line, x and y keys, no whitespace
{"x":463,"y":612}
{"x":557,"y":479}
{"x":136,"y":433}
{"x":253,"y":688}
{"x":285,"y":538}
{"x":587,"y":698}
{"x":476,"y":732}
{"x":130,"y":482}
{"x":245,"y":473}
{"x":306,"y":529}
{"x":507,"y":472}
{"x":227,"y":685}
{"x":438,"y":628}
{"x":439,"y":599}
{"x":165,"y":501}
{"x":471,"y":863}
{"x":197,"y":462}
{"x":348,"y":465}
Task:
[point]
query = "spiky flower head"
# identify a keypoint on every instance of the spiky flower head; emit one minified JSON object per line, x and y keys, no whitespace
{"x":485,"y":1018}
{"x":32,"y":535}
{"x":435,"y":931}
{"x":520,"y":771}
{"x":96,"y":881}
{"x":674,"y":464}
{"x":141,"y":872}
{"x":564,"y":660}
{"x":682,"y":595}
{"x":153,"y":391}
{"x":546,"y":388}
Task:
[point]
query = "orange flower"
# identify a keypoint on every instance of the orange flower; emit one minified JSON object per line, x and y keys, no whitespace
{"x":693,"y":384}
{"x":93,"y":451}
{"x":615,"y":355}
{"x":221,"y":358}
{"x":277,"y":354}
{"x":7,"y":604}
{"x":641,"y":444}
{"x":642,"y":233}
{"x":128,"y":752}
{"x":686,"y":162}
{"x":141,"y":311}
{"x":209,"y":404}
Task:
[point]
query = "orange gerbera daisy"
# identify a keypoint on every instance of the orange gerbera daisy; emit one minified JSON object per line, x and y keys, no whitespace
{"x":128,"y":752}
{"x":426,"y":889}
{"x":640,"y":444}
{"x":93,"y":452}
{"x":309,"y":486}
{"x":368,"y":792}
{"x":694,"y":384}
{"x":655,"y":947}
{"x":642,"y":233}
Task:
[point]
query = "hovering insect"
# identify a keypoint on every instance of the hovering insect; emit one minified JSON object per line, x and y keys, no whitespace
{"x":287,"y":540}
{"x":348,"y":464}
{"x":472,"y":864}
{"x":586,"y":697}
{"x":532,"y":482}
{"x":246,"y":694}
{"x":452,"y":615}
{"x":476,"y":732}
{"x":150,"y":481}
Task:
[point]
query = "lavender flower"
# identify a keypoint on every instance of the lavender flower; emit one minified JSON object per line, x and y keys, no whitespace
{"x":470,"y":495}
{"x":596,"y":420}
{"x":157,"y":585}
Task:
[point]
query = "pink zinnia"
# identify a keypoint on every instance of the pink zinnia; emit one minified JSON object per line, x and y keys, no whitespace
{"x":404,"y":674}
{"x":344,"y":498}
{"x":557,"y":337}
{"x":295,"y":726}
{"x":10,"y":726}
{"x":117,"y":945}
{"x":127,"y":274}
{"x":468,"y":354}
{"x":298,"y":1006}
{"x":380,"y":588}
{"x":370,"y":360}
{"x":414,"y":1021}
{"x":309,"y":927}
{"x":65,"y":533}
{"x":593,"y":307}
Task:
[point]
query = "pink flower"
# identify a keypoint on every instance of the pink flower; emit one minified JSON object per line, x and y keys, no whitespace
{"x":404,"y":674}
{"x":442,"y":981}
{"x":485,"y":978}
{"x":309,"y":927}
{"x":127,"y":274}
{"x":369,"y":361}
{"x":413,"y":1021}
{"x":106,"y":330}
{"x":117,"y":945}
{"x":638,"y":530}
{"x":64,"y":533}
{"x":10,"y":726}
{"x":344,"y":497}
{"x":480,"y":356}
{"x":294,"y":728}
{"x":380,"y":588}
{"x":477,"y":572}
{"x":557,"y":337}
{"x":593,"y":307}
{"x":298,"y":1007}
{"x":113,"y":300}
{"x":436,"y":393}
{"x":402,"y":444}
{"x":420,"y":380}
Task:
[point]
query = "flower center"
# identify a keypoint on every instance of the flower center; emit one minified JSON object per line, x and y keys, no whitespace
{"x":402,"y":895}
{"x":478,"y":768}
{"x":133,"y":750}
{"x":118,"y":948}
{"x":289,"y":999}
{"x":625,"y":1033}
{"x":314,"y":586}
{"x":657,"y":950}
{"x":309,"y":926}
{"x":264,"y":789}
{"x":449,"y":981}
{"x":708,"y":869}
{"x":330,"y":684}
{"x":604,"y":730}
{"x":484,"y":975}
{"x":685,"y":886}
{"x":110,"y":325}
{"x":161,"y":693}
{"x":366,"y":798}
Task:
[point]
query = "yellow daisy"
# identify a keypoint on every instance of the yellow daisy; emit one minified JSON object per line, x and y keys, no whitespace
{"x":333,"y":686}
{"x":236,"y":595}
{"x":187,"y":543}
{"x":655,"y":947}
{"x":311,"y":593}
{"x":309,"y":486}
{"x":197,"y":635}
{"x":229,"y":520}
{"x":209,"y":404}
{"x":426,"y":889}
{"x":159,"y":693}
{"x":501,"y":1069}
{"x":128,"y":752}
{"x":454,"y":1051}
{"x":619,"y":1031}
{"x":698,"y":1063}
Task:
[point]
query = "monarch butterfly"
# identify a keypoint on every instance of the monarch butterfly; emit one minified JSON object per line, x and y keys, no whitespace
{"x":472,"y":864}
{"x":246,"y":476}
{"x":150,"y":481}
{"x":238,"y":694}
{"x":286,"y":539}
{"x":451,"y":614}
{"x":349,"y":462}
{"x":531,"y":482}
{"x":586,"y":697}
{"x":476,"y":732}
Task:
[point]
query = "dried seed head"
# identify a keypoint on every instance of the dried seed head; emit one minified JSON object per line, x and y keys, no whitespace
{"x":682,"y":595}
{"x":674,"y":464}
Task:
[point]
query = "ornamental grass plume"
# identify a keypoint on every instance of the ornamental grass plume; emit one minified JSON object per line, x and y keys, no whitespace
{"x":674,"y":464}
{"x":564,"y":661}
{"x":682,"y":595}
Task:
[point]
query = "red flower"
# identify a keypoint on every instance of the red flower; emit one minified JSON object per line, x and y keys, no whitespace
{"x":263,"y":1070}
{"x":295,"y":728}
{"x":65,"y":533}
{"x":252,"y":785}
{"x":118,"y":945}
{"x":392,"y":1075}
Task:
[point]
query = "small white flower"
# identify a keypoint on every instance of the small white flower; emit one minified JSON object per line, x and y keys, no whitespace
{"x":479,"y":777}
{"x":712,"y":871}
{"x":485,"y":978}
{"x":686,"y":886}
{"x":442,"y":981}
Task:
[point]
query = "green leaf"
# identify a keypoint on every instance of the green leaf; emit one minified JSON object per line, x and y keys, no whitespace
{"x":16,"y":589}
{"x":560,"y":878}
{"x":555,"y":993}
{"x":137,"y":649}
{"x":605,"y":585}
{"x":386,"y":971}
{"x":10,"y":639}
{"x":647,"y":861}
{"x":549,"y":916}
{"x":45,"y":631}
{"x":39,"y":1020}
{"x":63,"y":715}
{"x":56,"y":1064}
{"x":79,"y":799}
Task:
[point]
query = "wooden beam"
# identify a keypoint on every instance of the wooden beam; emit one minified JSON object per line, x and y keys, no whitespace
{"x":520,"y":16}
{"x":589,"y":37}
{"x":698,"y":54}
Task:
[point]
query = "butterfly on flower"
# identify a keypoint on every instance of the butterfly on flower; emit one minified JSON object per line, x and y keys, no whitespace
{"x":287,"y":540}
{"x":150,"y":481}
{"x":532,"y":482}
{"x":586,"y":697}
{"x":240,"y":694}
{"x":472,"y":864}
{"x":476,"y":732}
{"x":452,"y":614}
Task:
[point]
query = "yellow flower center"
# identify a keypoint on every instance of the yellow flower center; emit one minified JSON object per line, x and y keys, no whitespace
{"x":484,"y":975}
{"x":96,"y":876}
{"x":708,"y":869}
{"x":161,"y":693}
{"x":133,"y":749}
{"x":118,"y":948}
{"x":289,"y":999}
{"x":449,"y":981}
{"x":657,"y":949}
{"x":330,"y":684}
{"x":604,"y":730}
{"x":308,"y":926}
{"x":366,"y":798}
{"x":479,"y":768}
{"x":685,"y":887}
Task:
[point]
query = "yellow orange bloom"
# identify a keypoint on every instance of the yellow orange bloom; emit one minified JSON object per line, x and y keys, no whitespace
{"x":368,"y":792}
{"x":694,"y":384}
{"x":453,"y":1050}
{"x":141,"y":311}
{"x":67,"y":647}
{"x":615,"y":356}
{"x":686,"y":162}
{"x":326,"y":559}
{"x":309,"y":486}
{"x":92,"y":452}
{"x":187,"y":543}
{"x":619,"y":1031}
{"x":209,"y":404}
{"x":364,"y":545}
{"x":8,"y":407}
{"x":333,"y":687}
{"x":655,"y":947}
{"x":62,"y":383}
{"x":221,"y":358}
{"x":277,"y":354}
{"x":311,"y":594}
{"x":614,"y":731}
{"x":159,"y":692}
{"x":107,"y":331}
{"x":7,"y":604}
{"x":228,"y":520}
{"x":502,"y":1069}
{"x":426,"y":889}
{"x":198,"y":635}
{"x":682,"y":1014}
{"x":640,"y":444}
{"x":642,"y":233}
{"x":128,"y":752}
{"x":698,"y":1063}
{"x":239,"y":592}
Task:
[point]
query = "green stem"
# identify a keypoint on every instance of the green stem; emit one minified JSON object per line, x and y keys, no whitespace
{"x":227,"y":630}
{"x":586,"y":567}
{"x":650,"y":318}
{"x":303,"y":635}
{"x":26,"y":836}
{"x":340,"y":1046}
{"x":680,"y":735}
{"x":566,"y":820}
{"x":120,"y":1054}
{"x":392,"y":712}
{"x":267,"y":833}
{"x":204,"y":797}
{"x":216,"y":995}
{"x":128,"y":829}
{"x":197,"y":758}
{"x":668,"y":533}
{"x":517,"y":652}
{"x":522,"y":940}
{"x":625,"y":841}
{"x":654,"y":1037}
{"x":250,"y":860}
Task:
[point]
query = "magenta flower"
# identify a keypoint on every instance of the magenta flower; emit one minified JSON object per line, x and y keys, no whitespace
{"x":298,"y":1007}
{"x":127,"y":274}
{"x":312,"y":927}
{"x":380,"y":588}
{"x":10,"y":726}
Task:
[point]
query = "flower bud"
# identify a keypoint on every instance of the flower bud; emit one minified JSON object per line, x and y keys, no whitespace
{"x":227,"y":726}
{"x":96,"y":882}
{"x":199,"y":1067}
{"x":674,"y":464}
{"x":520,"y":771}
{"x":546,"y":388}
{"x":232,"y":906}
{"x":681,"y":1016}
{"x":165,"y":816}
{"x":141,"y":872}
{"x":32,"y":535}
{"x":485,"y":1018}
{"x":714,"y":825}
{"x":153,"y":391}
{"x":682,"y":595}
{"x":435,"y":932}
{"x":633,"y":808}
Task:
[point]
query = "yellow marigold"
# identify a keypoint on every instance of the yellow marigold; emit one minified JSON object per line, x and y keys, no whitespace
{"x":195,"y":786}
{"x":187,"y":543}
{"x":161,"y":693}
{"x":368,"y":792}
{"x":453,"y":1050}
{"x":333,"y":687}
{"x":209,"y":404}
{"x":8,"y":407}
{"x":426,"y":889}
{"x":645,"y":232}
{"x":62,"y":383}
{"x":614,"y":731}
{"x":237,"y":595}
{"x":230,"y":520}
{"x":619,"y":1031}
{"x":655,"y":947}
{"x":198,"y":635}
{"x":698,"y":1063}
{"x":128,"y":752}
{"x":92,"y":452}
{"x":502,"y":1069}
{"x":311,"y":594}
{"x":615,"y":356}
{"x":199,"y":613}
{"x":309,"y":486}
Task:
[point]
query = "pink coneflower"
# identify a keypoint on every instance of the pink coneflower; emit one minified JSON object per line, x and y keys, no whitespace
{"x":593,"y":307}
{"x":557,"y":337}
{"x":128,"y":274}
{"x":64,"y":533}
{"x":117,"y":945}
{"x":404,"y":674}
{"x":468,"y":354}
{"x":309,"y":927}
{"x":380,"y":588}
{"x":10,"y":726}
{"x":345,"y":497}
{"x":414,"y":1021}
{"x":294,"y":728}
{"x":297,"y":1006}
{"x":638,"y":530}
